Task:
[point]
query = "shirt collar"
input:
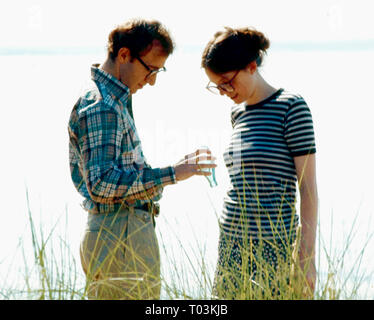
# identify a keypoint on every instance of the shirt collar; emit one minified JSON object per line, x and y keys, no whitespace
{"x":112,"y":84}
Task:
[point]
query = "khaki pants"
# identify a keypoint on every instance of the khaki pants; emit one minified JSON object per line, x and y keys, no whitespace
{"x":120,"y":256}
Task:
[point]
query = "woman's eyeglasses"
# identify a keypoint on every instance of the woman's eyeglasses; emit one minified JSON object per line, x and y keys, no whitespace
{"x":226,"y":86}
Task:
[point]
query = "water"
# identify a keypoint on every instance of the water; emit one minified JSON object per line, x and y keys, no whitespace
{"x":173,"y":119}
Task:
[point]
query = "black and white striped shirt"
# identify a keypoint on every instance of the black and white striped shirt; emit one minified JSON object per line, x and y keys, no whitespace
{"x":266,"y":137}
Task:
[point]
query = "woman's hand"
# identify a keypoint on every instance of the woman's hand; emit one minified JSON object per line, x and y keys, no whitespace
{"x":309,"y":276}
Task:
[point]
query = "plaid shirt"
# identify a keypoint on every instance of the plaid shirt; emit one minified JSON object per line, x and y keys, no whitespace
{"x":107,"y":164}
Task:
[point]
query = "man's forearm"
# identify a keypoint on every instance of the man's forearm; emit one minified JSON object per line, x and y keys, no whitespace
{"x":130,"y":186}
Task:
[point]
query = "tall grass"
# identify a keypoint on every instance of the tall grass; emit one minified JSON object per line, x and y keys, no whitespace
{"x":51,"y":271}
{"x":340,"y":273}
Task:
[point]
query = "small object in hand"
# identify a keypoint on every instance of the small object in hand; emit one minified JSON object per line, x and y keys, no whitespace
{"x":212,"y":177}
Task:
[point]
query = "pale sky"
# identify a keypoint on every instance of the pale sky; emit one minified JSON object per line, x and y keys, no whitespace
{"x":330,"y":84}
{"x":80,"y":23}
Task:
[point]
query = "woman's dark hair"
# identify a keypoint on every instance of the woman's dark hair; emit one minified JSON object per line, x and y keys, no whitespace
{"x":234,"y":49}
{"x":137,"y":35}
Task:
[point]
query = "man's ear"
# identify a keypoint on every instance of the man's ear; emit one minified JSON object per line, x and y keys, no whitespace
{"x":123,"y":55}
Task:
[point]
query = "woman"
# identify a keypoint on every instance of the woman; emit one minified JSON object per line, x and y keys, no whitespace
{"x":272,"y":148}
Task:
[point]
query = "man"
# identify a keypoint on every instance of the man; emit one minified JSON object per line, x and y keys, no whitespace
{"x":119,"y":251}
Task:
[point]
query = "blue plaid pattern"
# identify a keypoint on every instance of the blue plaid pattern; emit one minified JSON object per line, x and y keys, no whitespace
{"x":107,"y":164}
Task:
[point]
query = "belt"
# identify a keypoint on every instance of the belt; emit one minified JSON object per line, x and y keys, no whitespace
{"x":152,"y":207}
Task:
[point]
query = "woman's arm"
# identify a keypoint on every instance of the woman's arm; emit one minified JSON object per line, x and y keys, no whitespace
{"x":306,"y":175}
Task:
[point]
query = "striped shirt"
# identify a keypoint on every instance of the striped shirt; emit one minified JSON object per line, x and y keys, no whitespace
{"x":260,"y":202}
{"x":107,"y":164}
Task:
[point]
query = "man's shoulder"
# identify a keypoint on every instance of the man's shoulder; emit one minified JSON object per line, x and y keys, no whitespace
{"x":92,"y":100}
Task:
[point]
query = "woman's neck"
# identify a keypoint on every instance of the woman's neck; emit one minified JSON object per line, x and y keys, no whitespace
{"x":262,"y":91}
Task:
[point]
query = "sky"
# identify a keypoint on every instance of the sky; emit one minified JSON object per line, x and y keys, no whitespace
{"x":87,"y":23}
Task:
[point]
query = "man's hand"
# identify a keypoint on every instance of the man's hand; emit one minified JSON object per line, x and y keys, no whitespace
{"x":190,"y":165}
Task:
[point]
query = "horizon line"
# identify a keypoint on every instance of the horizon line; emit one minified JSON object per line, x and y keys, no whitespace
{"x":337,"y":45}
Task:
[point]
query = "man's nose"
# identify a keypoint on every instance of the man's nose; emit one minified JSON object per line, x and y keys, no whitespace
{"x":152,"y":80}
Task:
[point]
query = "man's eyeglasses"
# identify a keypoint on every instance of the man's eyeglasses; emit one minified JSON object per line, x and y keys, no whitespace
{"x":152,"y":72}
{"x":226,"y":86}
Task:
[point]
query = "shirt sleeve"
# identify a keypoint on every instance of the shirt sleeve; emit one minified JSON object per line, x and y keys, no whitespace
{"x":299,"y":129}
{"x":100,"y":140}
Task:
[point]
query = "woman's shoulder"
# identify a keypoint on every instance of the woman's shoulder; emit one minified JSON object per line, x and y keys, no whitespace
{"x":290,"y":97}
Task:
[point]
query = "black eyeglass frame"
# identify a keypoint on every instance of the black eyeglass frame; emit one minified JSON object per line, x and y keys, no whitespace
{"x":226,"y":86}
{"x":152,"y":72}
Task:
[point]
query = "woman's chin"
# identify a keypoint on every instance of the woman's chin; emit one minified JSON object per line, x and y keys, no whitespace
{"x":235,"y":98}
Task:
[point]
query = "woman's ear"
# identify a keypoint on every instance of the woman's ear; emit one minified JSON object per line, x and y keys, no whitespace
{"x":252,"y":67}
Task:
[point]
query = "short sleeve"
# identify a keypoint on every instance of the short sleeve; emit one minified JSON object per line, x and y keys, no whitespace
{"x":299,"y":129}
